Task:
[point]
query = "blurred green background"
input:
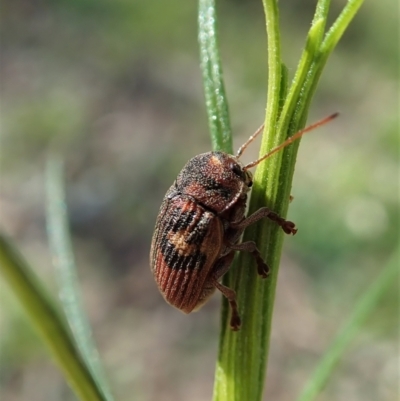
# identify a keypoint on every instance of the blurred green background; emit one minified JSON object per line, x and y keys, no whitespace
{"x":116,"y":86}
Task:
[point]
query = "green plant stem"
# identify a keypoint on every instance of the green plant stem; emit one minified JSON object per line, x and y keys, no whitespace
{"x":241,"y":362}
{"x":243,"y":355}
{"x":361,"y":311}
{"x":47,"y":320}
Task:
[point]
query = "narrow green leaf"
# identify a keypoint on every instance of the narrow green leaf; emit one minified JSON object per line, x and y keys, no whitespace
{"x":283,"y":91}
{"x":327,"y":46}
{"x":274,"y":70}
{"x":289,"y":121}
{"x":362,"y":310}
{"x":340,"y":25}
{"x":216,"y":102}
{"x":45,"y":317}
{"x":64,"y":263}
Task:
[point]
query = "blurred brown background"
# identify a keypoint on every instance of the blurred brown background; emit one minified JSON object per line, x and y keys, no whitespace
{"x":116,"y":86}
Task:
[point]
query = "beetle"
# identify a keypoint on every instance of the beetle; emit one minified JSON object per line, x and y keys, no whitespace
{"x":199,"y":225}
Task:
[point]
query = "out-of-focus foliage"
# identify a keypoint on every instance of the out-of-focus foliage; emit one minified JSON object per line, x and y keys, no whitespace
{"x":116,"y":87}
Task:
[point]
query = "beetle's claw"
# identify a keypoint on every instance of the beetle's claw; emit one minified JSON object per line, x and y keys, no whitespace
{"x":263,"y":270}
{"x":289,"y":227}
{"x":235,"y":322}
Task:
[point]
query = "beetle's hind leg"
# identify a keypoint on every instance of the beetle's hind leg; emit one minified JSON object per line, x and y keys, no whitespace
{"x":220,"y":268}
{"x":230,"y":295}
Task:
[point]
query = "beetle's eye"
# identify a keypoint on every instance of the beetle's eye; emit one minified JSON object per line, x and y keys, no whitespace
{"x":250,"y":184}
{"x":237,"y":170}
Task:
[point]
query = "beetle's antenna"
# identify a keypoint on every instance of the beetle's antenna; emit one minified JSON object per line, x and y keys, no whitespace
{"x":250,"y":140}
{"x":288,"y":141}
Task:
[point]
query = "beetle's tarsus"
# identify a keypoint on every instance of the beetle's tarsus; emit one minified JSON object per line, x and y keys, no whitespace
{"x":263,"y":269}
{"x":230,"y":295}
{"x":289,"y":227}
{"x":235,"y":321}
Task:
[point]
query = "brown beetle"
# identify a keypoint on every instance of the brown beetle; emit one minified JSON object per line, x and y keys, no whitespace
{"x":201,"y":220}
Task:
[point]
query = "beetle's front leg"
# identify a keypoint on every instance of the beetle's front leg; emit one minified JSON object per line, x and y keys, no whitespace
{"x":287,"y":226}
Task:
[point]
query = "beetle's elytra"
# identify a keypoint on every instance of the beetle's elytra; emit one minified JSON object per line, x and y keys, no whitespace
{"x":198,"y":228}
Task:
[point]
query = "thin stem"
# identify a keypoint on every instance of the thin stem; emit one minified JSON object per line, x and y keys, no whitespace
{"x":242,"y":356}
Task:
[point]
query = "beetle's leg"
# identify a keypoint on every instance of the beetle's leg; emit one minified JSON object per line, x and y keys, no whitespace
{"x":235,"y":322}
{"x":220,"y":268}
{"x":287,"y":226}
{"x":250,"y":246}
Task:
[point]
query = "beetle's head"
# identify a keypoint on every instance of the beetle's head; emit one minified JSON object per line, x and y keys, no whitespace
{"x":215,"y":179}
